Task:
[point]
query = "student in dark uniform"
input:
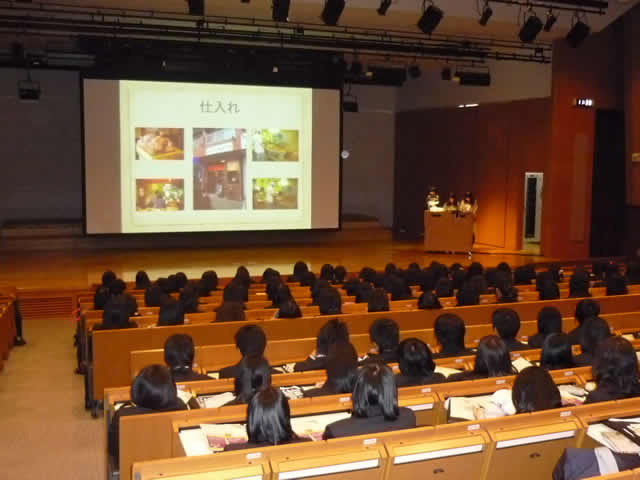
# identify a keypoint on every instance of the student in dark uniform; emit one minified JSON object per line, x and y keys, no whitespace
{"x":154,"y":296}
{"x":142,"y":280}
{"x":330,"y":302}
{"x":115,"y":316}
{"x":492,"y":360}
{"x":171,"y":313}
{"x":342,"y":368}
{"x":449,"y":330}
{"x":331,"y":332}
{"x":549,"y":321}
{"x":378,"y":301}
{"x":556,"y":352}
{"x":178,"y":355}
{"x":250,"y":341}
{"x":416,"y":364}
{"x":384,"y":333}
{"x":506,"y":322}
{"x":253,"y":375}
{"x":534,"y":390}
{"x":375,"y":405}
{"x":585,"y":309}
{"x":595,"y":331}
{"x":615,"y":370}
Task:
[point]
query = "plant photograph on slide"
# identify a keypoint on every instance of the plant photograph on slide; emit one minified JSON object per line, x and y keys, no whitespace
{"x":275,"y":193}
{"x":159,"y":195}
{"x":219,"y":163}
{"x":159,"y":143}
{"x":275,"y":145}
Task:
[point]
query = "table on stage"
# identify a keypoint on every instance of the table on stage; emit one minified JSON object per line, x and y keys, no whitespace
{"x":446,"y":232}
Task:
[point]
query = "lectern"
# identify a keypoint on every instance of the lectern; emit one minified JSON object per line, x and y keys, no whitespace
{"x":447,"y":232}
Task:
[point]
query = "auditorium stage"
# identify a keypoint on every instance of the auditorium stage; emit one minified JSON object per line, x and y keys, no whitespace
{"x":355,"y":246}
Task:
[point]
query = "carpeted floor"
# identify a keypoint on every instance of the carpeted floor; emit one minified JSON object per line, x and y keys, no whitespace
{"x":44,"y":430}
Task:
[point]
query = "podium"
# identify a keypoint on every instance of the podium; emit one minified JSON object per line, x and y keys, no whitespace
{"x":446,"y":232}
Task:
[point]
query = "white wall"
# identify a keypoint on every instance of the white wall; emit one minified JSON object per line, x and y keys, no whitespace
{"x":509,"y":81}
{"x":369,"y":135}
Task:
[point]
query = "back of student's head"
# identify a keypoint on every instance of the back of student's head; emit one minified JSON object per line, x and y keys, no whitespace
{"x":467,"y":296}
{"x":318,"y":288}
{"x":549,"y":321}
{"x":116,"y":313}
{"x":616,"y":284}
{"x":504,"y":267}
{"x":332,"y":332}
{"x":633,"y":272}
{"x":397,"y":287}
{"x":235,"y":292}
{"x":378,"y":301}
{"x":254,"y":375}
{"x":342,"y":367}
{"x":534,"y":390}
{"x":594,"y":332}
{"x":616,"y":365}
{"x":522,"y":275}
{"x":269,"y":274}
{"x":251,"y":340}
{"x":269,"y":418}
{"x":179,"y":352}
{"x":101,"y":297}
{"x":586,"y":309}
{"x":385,"y":334}
{"x":510,"y":295}
{"x":339,"y":274}
{"x":556,"y":272}
{"x":367,"y":274}
{"x":363,"y":292}
{"x":163,"y":284}
{"x":449,"y":329}
{"x":549,"y":291}
{"x":181,"y":280}
{"x":243,"y":276}
{"x":428,"y":301}
{"x":479,"y":284}
{"x":171,"y":313}
{"x":189,"y":299}
{"x":444,"y":288}
{"x":154,"y":388}
{"x":107,"y":278}
{"x":474,"y":269}
{"x":375,"y":388}
{"x":427,"y":280}
{"x":172,"y":284}
{"x":502,"y":281}
{"x":492,"y":358}
{"x":326,"y":272}
{"x":415,"y":359}
{"x":579,"y":284}
{"x":308,"y":280}
{"x":506,"y":322}
{"x":142,"y":280}
{"x":208,"y":282}
{"x":289,"y":309}
{"x":299,"y":269}
{"x":330,"y":302}
{"x":117,"y":287}
{"x":230,"y":312}
{"x":556,"y":352}
{"x":282,"y":294}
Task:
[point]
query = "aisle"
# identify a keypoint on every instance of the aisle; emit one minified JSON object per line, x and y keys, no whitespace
{"x":45,"y":431}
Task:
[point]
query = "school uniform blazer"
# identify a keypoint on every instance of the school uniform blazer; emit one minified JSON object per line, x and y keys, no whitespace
{"x":389,"y":356}
{"x":536,"y":341}
{"x":575,"y":335}
{"x":454,"y":353}
{"x":371,"y":424}
{"x":188,"y":376}
{"x":244,"y":446}
{"x":404,"y":381}
{"x":230,"y":372}
{"x":583,"y":360}
{"x":513,"y":345}
{"x":318,"y":363}
{"x":605,"y":393}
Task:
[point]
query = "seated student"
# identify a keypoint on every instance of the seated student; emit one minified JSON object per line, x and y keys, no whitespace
{"x":171,"y":313}
{"x":475,"y":269}
{"x":581,"y":463}
{"x":510,"y":295}
{"x":189,"y":299}
{"x":142,"y":280}
{"x":208,"y":283}
{"x":172,"y":284}
{"x":178,"y":355}
{"x":101,"y":297}
{"x":318,"y":288}
{"x":181,"y":280}
{"x":615,"y":371}
{"x":449,"y":330}
{"x":384,"y":333}
{"x":416,"y":364}
{"x":332,"y":332}
{"x":326,"y":272}
{"x":308,"y":280}
{"x":616,"y":285}
{"x":585,"y":309}
{"x":269,"y":275}
{"x":444,"y":288}
{"x":163,"y":283}
{"x":363,"y":292}
{"x":254,"y":374}
{"x":427,"y":280}
{"x":242,"y":276}
{"x":556,"y":352}
{"x":115,"y":315}
{"x":595,"y":331}
{"x":153,"y":390}
{"x":288,"y":309}
{"x":549,"y":291}
{"x":458,"y":279}
{"x":339,"y":274}
{"x":278,"y":293}
{"x":579,"y":284}
{"x":428,"y":301}
{"x":230,"y":312}
{"x":633,"y":273}
{"x":549,"y":321}
{"x":467,"y":296}
{"x":521,"y":276}
{"x":351,"y":286}
{"x":154,"y":296}
{"x":250,"y":341}
{"x":375,"y":405}
{"x":342,"y":368}
{"x":378,"y":301}
{"x":556,"y":272}
{"x":534,"y":390}
{"x":507,"y":323}
{"x":492,"y":360}
{"x":330,"y":302}
{"x":299,"y":269}
{"x":268,"y":421}
{"x":479,"y":284}
{"x":398,"y":288}
{"x":235,"y":291}
{"x":108,"y":277}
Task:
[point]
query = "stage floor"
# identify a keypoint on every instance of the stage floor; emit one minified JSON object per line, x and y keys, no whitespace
{"x":353,"y":248}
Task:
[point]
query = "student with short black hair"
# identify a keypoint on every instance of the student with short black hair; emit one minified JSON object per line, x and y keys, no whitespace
{"x":492,"y":360}
{"x":416,"y":364}
{"x":235,"y":291}
{"x":363,"y":292}
{"x":579,"y":284}
{"x":189,"y":299}
{"x":467,"y":296}
{"x":208,"y":283}
{"x":534,"y":390}
{"x":428,"y":301}
{"x":342,"y":368}
{"x":585,"y":309}
{"x":181,"y":280}
{"x":142,"y":280}
{"x":299,"y":269}
{"x":378,"y":301}
{"x":108,"y":277}
{"x":318,"y":289}
{"x":330,"y":302}
{"x":615,"y":371}
{"x":308,"y":280}
{"x":178,"y":355}
{"x":326,"y":272}
{"x":549,"y":291}
{"x":243,"y":277}
{"x":339,"y":274}
{"x":595,"y":331}
{"x":616,"y":285}
{"x":250,"y":341}
{"x":172,"y":284}
{"x":253,"y":375}
{"x":117,"y":287}
{"x":375,"y":405}
{"x":332,"y":332}
{"x":116,"y":315}
{"x":385,"y":334}
{"x":289,"y":309}
{"x":556,"y":352}
{"x":171,"y":313}
{"x":507,"y":323}
{"x":549,"y":321}
{"x":449,"y":330}
{"x":397,"y":288}
{"x":101,"y":297}
{"x":444,"y":288}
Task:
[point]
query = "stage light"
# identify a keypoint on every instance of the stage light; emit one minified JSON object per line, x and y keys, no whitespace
{"x":530,"y":29}
{"x":356,"y":68}
{"x":332,"y":11}
{"x":445,"y":74}
{"x":384,"y":6}
{"x":281,"y":10}
{"x":578,"y":33}
{"x":414,"y":71}
{"x":486,"y":15}
{"x":196,"y":7}
{"x":430,"y":19}
{"x":551,"y":20}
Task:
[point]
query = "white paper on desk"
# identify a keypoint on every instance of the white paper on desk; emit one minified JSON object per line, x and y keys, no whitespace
{"x":626,"y":420}
{"x":292,"y":392}
{"x":446,"y":371}
{"x":286,"y":368}
{"x":117,"y":405}
{"x":463,"y":407}
{"x":219,"y":435}
{"x":611,"y":439}
{"x":313,"y":426}
{"x":194,"y":442}
{"x":214,"y":375}
{"x":572,"y":393}
{"x":184,"y":396}
{"x":629,"y":337}
{"x":520,"y":364}
{"x":215,"y":401}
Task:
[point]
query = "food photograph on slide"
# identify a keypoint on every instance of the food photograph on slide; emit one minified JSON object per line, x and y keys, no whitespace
{"x":275,"y":145}
{"x":219,"y":163}
{"x":159,"y":143}
{"x":159,"y":195}
{"x":275,"y":193}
